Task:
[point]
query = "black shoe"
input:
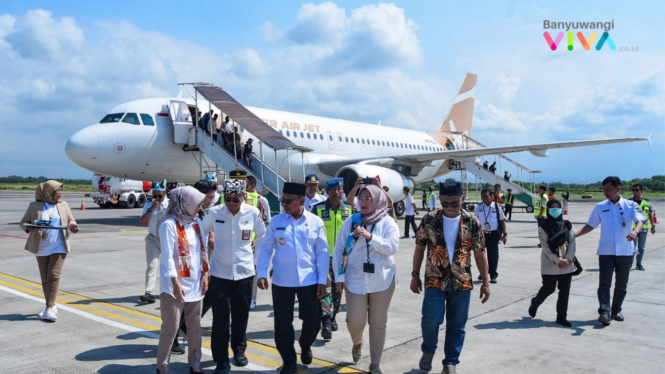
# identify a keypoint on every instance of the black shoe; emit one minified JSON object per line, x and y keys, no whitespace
{"x":404,"y":237}
{"x":413,"y":237}
{"x":604,"y":319}
{"x":639,"y":267}
{"x":306,"y":355}
{"x":617,"y":316}
{"x":480,"y":277}
{"x":222,"y":368}
{"x":539,"y":246}
{"x":289,"y":369}
{"x":533,"y":309}
{"x":564,"y":322}
{"x":333,"y":324}
{"x":493,"y":280}
{"x":177,"y":349}
{"x":240,"y":359}
{"x":147,"y":298}
{"x":191,"y":371}
{"x":326,"y":330}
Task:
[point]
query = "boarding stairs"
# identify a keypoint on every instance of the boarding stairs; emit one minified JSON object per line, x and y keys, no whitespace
{"x":523,"y":191}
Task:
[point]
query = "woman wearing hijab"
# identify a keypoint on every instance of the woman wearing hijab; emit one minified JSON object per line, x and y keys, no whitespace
{"x":50,"y":246}
{"x":365,"y":266}
{"x":556,"y":261}
{"x":184,"y":275}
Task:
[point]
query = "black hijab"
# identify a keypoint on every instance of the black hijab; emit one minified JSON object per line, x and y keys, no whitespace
{"x":557,"y":229}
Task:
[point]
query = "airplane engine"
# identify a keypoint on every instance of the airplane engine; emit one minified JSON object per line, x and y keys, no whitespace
{"x":390,"y":178}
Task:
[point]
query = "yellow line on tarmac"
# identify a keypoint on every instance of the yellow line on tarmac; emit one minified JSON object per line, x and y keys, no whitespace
{"x":324,"y":364}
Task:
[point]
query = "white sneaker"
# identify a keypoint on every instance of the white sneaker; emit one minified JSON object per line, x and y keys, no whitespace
{"x":252,"y":305}
{"x":49,"y":315}
{"x":54,"y":310}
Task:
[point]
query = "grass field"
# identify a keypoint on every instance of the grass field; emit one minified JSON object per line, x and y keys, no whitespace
{"x":574,"y":196}
{"x":67,"y":188}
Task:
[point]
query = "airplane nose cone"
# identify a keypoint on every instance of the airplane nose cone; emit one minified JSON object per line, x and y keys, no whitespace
{"x":83,"y":148}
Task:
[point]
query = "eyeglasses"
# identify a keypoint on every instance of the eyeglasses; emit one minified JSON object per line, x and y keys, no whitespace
{"x":233,"y":200}
{"x":365,"y":199}
{"x":454,"y":204}
{"x":284,"y":201}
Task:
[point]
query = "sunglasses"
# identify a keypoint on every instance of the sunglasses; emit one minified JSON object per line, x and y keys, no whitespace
{"x":158,"y":196}
{"x":233,"y":200}
{"x":445,"y":204}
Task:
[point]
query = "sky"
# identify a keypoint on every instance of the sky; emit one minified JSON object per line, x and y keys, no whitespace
{"x":65,"y":64}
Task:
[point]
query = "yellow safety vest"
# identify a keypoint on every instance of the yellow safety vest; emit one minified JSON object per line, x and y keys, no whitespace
{"x":332,"y":220}
{"x":509,"y":199}
{"x":536,"y":209}
{"x":646,"y":208}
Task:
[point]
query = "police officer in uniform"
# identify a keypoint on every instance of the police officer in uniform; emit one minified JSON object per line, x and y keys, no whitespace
{"x":333,"y":212}
{"x":493,"y":224}
{"x":300,"y":268}
{"x":510,"y":198}
{"x":312,"y":196}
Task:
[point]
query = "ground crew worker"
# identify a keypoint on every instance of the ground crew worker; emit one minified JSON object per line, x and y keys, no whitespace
{"x":539,"y":210}
{"x":233,"y":174}
{"x":312,"y":196}
{"x":509,"y":199}
{"x":431,"y":200}
{"x":301,"y":261}
{"x":333,"y":212}
{"x":261,"y":203}
{"x":152,"y":216}
{"x":641,"y":240}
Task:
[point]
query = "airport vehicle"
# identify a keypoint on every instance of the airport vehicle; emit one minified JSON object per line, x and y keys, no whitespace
{"x":157,"y":139}
{"x":119,"y":192}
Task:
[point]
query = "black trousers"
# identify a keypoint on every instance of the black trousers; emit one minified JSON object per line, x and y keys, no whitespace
{"x":235,"y":295}
{"x":608,"y":264}
{"x":492,"y":246}
{"x":410,"y":220}
{"x":550,"y":282}
{"x":509,"y":211}
{"x":309,"y":311}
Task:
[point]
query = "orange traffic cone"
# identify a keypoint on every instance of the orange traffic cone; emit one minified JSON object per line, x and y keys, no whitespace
{"x":655,"y":220}
{"x":565,"y":211}
{"x":82,"y":204}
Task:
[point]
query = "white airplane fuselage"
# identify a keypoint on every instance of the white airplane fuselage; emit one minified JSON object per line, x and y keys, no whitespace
{"x":144,"y":152}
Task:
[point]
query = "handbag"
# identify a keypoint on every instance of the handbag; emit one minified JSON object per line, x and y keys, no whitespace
{"x":578,"y":266}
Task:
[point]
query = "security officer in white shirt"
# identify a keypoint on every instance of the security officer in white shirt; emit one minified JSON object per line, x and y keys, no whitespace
{"x":493,"y":223}
{"x":232,"y":271}
{"x":152,"y":216}
{"x":312,"y":196}
{"x":299,"y":268}
{"x":615,"y":249}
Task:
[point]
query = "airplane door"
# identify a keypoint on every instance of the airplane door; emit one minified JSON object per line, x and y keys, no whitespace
{"x":340,"y":143}
{"x":182,"y":121}
{"x":331,"y":140}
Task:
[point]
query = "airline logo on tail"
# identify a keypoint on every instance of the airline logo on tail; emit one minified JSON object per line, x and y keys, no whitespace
{"x":460,"y":116}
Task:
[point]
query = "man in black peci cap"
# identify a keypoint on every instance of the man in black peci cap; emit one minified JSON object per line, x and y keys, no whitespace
{"x":300,"y":268}
{"x":448,"y":281}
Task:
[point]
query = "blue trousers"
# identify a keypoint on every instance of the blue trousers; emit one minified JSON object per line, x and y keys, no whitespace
{"x":455,"y":307}
{"x":640,"y":242}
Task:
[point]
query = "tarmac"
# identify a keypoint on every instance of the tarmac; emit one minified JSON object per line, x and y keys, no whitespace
{"x":102,"y":326}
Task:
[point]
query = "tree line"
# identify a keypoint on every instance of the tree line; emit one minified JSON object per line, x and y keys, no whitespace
{"x":36,"y":180}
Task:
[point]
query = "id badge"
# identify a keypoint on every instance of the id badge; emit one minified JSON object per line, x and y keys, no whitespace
{"x":487,"y":226}
{"x":368,"y":267}
{"x":246,"y":234}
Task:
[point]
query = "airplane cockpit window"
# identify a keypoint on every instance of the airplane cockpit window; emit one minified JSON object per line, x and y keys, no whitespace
{"x":131,"y":118}
{"x":112,"y":117}
{"x":147,"y":119}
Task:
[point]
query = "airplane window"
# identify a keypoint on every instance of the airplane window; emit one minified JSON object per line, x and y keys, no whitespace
{"x":346,"y":139}
{"x":330,"y":136}
{"x":131,"y":118}
{"x":363,"y":141}
{"x":373,"y":142}
{"x":112,"y":117}
{"x":302,"y":135}
{"x":288,"y":133}
{"x":357,"y":140}
{"x":280,"y":131}
{"x":340,"y":138}
{"x":308,"y":136}
{"x":352,"y":140}
{"x":147,"y":119}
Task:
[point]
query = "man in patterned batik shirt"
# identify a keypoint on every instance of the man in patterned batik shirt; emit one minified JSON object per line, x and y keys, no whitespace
{"x":450,"y":234}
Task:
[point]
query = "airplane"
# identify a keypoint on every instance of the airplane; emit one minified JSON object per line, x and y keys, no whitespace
{"x":139,"y":140}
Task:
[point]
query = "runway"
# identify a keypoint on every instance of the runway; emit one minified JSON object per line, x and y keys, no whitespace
{"x":104,"y":328}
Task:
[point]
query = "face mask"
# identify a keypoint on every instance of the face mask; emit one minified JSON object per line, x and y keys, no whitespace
{"x":555,"y":212}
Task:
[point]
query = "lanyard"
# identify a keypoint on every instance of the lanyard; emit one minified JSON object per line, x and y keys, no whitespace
{"x":367,"y":241}
{"x":487,"y":215}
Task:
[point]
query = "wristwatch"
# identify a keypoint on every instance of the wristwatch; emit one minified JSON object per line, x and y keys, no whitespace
{"x":415,"y":273}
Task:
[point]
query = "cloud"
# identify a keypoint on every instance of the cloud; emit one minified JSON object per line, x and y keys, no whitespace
{"x":506,"y":87}
{"x":38,"y":36}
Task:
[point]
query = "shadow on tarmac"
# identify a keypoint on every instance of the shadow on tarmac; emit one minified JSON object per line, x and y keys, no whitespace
{"x":116,"y":221}
{"x":531,"y":323}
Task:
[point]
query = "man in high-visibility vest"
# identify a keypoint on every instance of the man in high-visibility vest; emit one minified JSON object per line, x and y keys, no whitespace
{"x":648,"y":225}
{"x":509,"y":199}
{"x":539,"y":210}
{"x":333,"y":212}
{"x":261,"y":203}
{"x":431,"y":200}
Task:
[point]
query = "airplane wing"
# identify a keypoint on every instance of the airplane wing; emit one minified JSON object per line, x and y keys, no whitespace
{"x":330,"y":167}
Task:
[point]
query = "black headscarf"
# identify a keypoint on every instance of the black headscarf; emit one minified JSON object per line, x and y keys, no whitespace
{"x":557,"y":229}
